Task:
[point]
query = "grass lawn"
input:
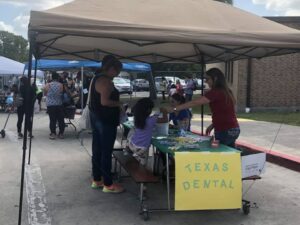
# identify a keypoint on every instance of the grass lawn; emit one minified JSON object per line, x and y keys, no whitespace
{"x":292,"y":118}
{"x":276,"y":117}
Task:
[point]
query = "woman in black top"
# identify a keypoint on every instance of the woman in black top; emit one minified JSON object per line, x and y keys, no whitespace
{"x":20,"y":98}
{"x":105,"y":113}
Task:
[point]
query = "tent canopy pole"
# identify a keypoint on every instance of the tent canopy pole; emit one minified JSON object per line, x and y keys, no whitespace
{"x":81,"y":89}
{"x":27,"y":121}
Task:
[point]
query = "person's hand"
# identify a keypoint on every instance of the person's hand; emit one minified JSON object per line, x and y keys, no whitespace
{"x":169,"y":109}
{"x":163,"y":110}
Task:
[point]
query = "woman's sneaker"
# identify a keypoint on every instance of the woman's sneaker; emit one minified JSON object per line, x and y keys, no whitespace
{"x":114,"y":188}
{"x":97,"y":184}
{"x":20,"y":135}
{"x":52,"y":136}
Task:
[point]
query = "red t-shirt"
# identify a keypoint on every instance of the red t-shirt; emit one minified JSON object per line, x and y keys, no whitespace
{"x":179,"y":89}
{"x":222,"y":108}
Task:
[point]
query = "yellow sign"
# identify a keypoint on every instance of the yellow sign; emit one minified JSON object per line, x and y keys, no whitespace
{"x":206,"y":180}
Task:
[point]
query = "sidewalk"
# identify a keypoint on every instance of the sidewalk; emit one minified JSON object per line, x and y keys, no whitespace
{"x":277,"y":140}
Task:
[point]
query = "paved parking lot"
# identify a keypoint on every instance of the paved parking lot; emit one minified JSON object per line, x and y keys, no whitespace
{"x":58,"y":182}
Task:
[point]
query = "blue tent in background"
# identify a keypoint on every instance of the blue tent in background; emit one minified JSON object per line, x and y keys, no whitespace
{"x":48,"y":64}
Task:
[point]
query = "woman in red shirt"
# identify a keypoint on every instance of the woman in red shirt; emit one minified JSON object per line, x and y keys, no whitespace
{"x":221,"y":103}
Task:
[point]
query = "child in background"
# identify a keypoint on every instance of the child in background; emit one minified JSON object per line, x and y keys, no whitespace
{"x":144,"y":123}
{"x":181,"y":119}
{"x":172,"y":90}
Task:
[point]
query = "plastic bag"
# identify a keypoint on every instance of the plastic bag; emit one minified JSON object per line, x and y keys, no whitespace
{"x":36,"y":107}
{"x":84,"y":120}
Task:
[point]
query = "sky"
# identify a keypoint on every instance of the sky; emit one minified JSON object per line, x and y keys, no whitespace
{"x":14,"y":14}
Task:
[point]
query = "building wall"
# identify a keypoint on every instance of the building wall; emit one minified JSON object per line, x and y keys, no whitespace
{"x":275,"y":81}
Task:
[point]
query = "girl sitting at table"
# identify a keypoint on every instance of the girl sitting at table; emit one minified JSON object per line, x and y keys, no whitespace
{"x":144,"y":122}
{"x":180,"y":118}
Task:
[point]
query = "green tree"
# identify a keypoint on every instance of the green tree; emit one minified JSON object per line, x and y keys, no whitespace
{"x":13,"y":46}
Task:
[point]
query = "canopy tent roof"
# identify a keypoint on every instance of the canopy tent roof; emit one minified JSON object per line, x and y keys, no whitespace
{"x":12,"y":67}
{"x":157,"y":31}
{"x":50,"y":64}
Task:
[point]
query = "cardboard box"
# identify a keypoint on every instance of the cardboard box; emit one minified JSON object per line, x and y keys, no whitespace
{"x":253,"y":164}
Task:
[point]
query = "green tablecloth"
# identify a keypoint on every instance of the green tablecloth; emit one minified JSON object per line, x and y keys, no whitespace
{"x":173,"y":143}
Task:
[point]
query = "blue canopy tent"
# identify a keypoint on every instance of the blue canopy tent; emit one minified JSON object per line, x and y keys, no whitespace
{"x":48,"y":64}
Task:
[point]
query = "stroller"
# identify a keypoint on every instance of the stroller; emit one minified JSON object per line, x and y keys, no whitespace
{"x":8,"y":108}
{"x":2,"y":132}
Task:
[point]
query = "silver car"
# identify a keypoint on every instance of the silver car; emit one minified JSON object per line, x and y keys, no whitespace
{"x":123,"y":85}
{"x":140,"y":85}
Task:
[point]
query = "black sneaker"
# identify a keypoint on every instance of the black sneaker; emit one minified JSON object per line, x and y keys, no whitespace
{"x":20,"y":135}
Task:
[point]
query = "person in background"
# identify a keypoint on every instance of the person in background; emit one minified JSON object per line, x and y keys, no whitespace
{"x":144,"y":123}
{"x":70,"y":87}
{"x":20,"y":99}
{"x":163,"y":87}
{"x":190,"y":86}
{"x":179,"y":88}
{"x":221,"y":102}
{"x":182,"y":118}
{"x":39,"y":96}
{"x":169,"y":86}
{"x":54,"y":102}
{"x":105,"y":115}
{"x":172,"y":90}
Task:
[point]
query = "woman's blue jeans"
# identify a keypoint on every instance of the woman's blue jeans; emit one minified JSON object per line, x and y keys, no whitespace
{"x":104,"y":136}
{"x":228,"y":137}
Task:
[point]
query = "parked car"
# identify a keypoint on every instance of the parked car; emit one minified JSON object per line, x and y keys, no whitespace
{"x":199,"y":84}
{"x":123,"y":85}
{"x":168,"y":78}
{"x":140,"y":85}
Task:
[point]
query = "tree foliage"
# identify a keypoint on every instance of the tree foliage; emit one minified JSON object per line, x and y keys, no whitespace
{"x":13,"y":46}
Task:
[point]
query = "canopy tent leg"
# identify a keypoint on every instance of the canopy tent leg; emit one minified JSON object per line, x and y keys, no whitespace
{"x":152,"y":87}
{"x":27,"y":120}
{"x":248,"y":90}
{"x":30,"y":139}
{"x":202,"y":93}
{"x":81,"y":89}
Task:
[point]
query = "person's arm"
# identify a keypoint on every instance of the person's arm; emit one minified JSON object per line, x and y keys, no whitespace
{"x":164,"y":119}
{"x":61,"y":88}
{"x":46,"y":89}
{"x":105,"y":87}
{"x":196,"y":102}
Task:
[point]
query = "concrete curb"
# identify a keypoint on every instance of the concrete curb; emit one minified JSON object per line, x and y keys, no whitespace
{"x":279,"y":158}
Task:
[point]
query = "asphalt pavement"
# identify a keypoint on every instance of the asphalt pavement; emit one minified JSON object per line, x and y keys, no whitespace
{"x":57,"y":187}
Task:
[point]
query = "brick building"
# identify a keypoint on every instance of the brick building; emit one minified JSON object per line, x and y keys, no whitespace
{"x":267,"y":83}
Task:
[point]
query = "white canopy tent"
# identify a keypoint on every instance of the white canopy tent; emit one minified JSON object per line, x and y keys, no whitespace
{"x":157,"y":31}
{"x":11,"y":67}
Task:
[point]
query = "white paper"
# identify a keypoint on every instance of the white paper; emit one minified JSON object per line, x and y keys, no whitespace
{"x":85,"y":91}
{"x":253,"y":165}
